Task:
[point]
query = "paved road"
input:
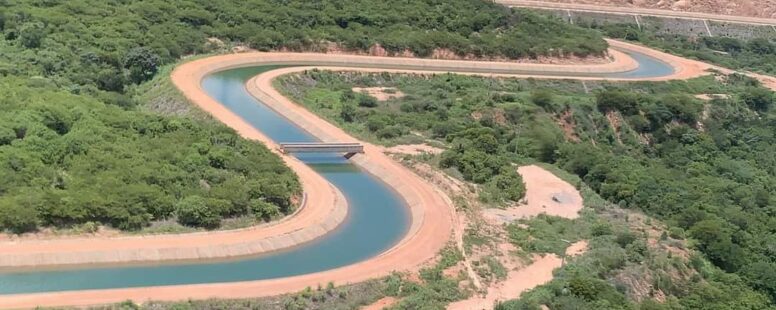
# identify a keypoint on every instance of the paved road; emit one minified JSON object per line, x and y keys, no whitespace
{"x":638,"y":11}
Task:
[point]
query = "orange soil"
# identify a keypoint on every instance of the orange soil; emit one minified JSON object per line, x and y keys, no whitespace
{"x":431,"y":213}
{"x":545,"y":193}
{"x":381,"y":303}
{"x":518,"y":281}
{"x":413,"y":149}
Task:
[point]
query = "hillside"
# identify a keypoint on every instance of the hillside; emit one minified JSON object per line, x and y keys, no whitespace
{"x":62,"y":60}
{"x":702,"y":166}
{"x":753,"y":8}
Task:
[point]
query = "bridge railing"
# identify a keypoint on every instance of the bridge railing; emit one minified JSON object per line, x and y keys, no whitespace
{"x":349,"y":149}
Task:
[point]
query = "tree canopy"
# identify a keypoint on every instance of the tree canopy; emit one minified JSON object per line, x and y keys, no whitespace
{"x":69,"y":159}
{"x":704,"y":167}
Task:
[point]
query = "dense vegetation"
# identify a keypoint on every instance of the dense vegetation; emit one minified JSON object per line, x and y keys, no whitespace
{"x":756,"y":54}
{"x":431,"y":111}
{"x":706,"y":168}
{"x":91,"y":43}
{"x":69,"y":159}
{"x":78,"y":153}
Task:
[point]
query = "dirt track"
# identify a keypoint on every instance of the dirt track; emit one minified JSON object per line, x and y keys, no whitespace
{"x":637,"y":11}
{"x":431,"y":213}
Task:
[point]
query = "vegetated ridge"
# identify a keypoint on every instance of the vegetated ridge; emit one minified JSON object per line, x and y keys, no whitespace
{"x":705,"y":168}
{"x":756,"y":53}
{"x":79,"y":127}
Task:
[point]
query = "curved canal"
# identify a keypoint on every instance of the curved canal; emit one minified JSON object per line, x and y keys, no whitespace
{"x":377,"y":218}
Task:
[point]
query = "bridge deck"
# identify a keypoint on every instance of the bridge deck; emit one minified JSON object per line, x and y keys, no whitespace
{"x":321,"y":147}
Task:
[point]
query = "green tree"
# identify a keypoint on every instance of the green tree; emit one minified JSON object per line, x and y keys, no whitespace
{"x":758,"y":99}
{"x":17,"y":218}
{"x":542,"y":98}
{"x":367,"y":101}
{"x":31,"y":35}
{"x":142,"y":63}
{"x":262,"y":209}
{"x":348,"y":112}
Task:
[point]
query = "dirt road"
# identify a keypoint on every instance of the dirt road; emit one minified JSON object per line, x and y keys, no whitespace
{"x":637,"y":11}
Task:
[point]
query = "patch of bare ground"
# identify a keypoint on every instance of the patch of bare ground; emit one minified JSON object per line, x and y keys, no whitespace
{"x":615,"y":121}
{"x":519,"y":280}
{"x":465,"y":196}
{"x":381,"y":303}
{"x":566,"y":122}
{"x":439,"y":53}
{"x":494,"y":115}
{"x":495,"y":268}
{"x":446,"y":54}
{"x":414,"y":149}
{"x":545,"y":193}
{"x":709,"y":97}
{"x":380,"y":93}
{"x":705,"y":113}
{"x":667,"y":267}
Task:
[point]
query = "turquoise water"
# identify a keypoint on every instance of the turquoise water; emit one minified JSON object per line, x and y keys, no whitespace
{"x":648,"y":68}
{"x":377,"y":218}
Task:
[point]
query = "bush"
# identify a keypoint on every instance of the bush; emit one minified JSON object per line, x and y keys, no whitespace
{"x":196,"y":211}
{"x":264,"y":210}
{"x":17,"y":218}
{"x":32,"y":34}
{"x":676,"y":233}
{"x":507,"y":185}
{"x":617,"y":100}
{"x":392,"y":131}
{"x":367,"y":101}
{"x":542,"y":98}
{"x":142,"y":62}
{"x":377,"y":122}
{"x":758,"y":99}
{"x":348,"y":112}
{"x":601,"y":229}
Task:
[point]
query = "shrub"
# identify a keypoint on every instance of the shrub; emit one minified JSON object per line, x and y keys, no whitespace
{"x":542,"y":98}
{"x":262,"y":209}
{"x":601,"y":229}
{"x":17,"y":218}
{"x":367,"y":101}
{"x":195,"y":211}
{"x":676,"y":233}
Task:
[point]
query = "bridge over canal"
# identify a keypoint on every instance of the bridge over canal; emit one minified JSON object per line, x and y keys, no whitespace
{"x":349,"y":149}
